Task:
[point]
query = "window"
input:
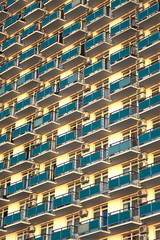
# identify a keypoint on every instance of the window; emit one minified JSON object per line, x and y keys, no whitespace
{"x":155,"y":90}
{"x":157,"y":231}
{"x":131,"y":202}
{"x":46,"y":230}
{"x":156,"y":123}
{"x":131,"y":236}
{"x":75,"y":188}
{"x":157,"y":194}
{"x":156,"y":158}
{"x":73,"y":222}
{"x":22,"y":235}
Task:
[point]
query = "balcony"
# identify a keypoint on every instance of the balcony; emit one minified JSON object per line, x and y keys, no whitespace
{"x":75,"y":9}
{"x":96,"y":99}
{"x":149,"y":75}
{"x":149,"y":45}
{"x":44,"y":152}
{"x":3,"y":200}
{"x":149,"y":107}
{"x":51,"y":46}
{"x":66,"y":204}
{"x":124,"y":118}
{"x":97,"y":72}
{"x":15,"y":221}
{"x":149,"y":141}
{"x":32,"y":35}
{"x":8,"y":92}
{"x":69,"y":112}
{"x":123,"y":87}
{"x":98,"y":44}
{"x":93,"y":3}
{"x":51,"y":4}
{"x":4,"y":170}
{"x":73,"y":58}
{"x":14,"y":6}
{"x":23,"y":134}
{"x":149,"y":17}
{"x":18,"y":191}
{"x":25,"y":107}
{"x":14,"y":24}
{"x":149,"y":176}
{"x":10,"y":69}
{"x":34,"y":12}
{"x":123,"y":150}
{"x":30,"y":58}
{"x":6,"y":142}
{"x":12,"y":46}
{"x":74,"y":33}
{"x":3,"y":33}
{"x":94,"y":161}
{"x":67,"y":172}
{"x":98,"y":19}
{"x":42,"y":182}
{"x":27,"y":82}
{"x":64,"y":233}
{"x":7,"y":117}
{"x":47,"y":96}
{"x":20,"y":162}
{"x":97,"y":129}
{"x":53,"y":22}
{"x":94,"y":194}
{"x":93,"y":228}
{"x":123,"y":59}
{"x":123,"y":219}
{"x":40,"y":213}
{"x":123,"y":184}
{"x":150,"y":212}
{"x":50,"y":70}
{"x":46,"y":123}
{"x":4,"y":14}
{"x":68,"y":142}
{"x":120,"y":7}
{"x":122,"y":31}
{"x":71,"y":84}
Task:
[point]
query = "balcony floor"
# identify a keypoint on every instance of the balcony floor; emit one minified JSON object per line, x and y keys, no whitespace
{"x":150,"y":80}
{"x":25,"y":137}
{"x":76,"y":36}
{"x":151,"y":146}
{"x":95,"y":135}
{"x":51,"y":4}
{"x":3,"y":15}
{"x":150,"y":112}
{"x":9,"y":95}
{"x":68,"y":209}
{"x":122,"y":124}
{"x":19,"y":195}
{"x":28,"y":110}
{"x":151,"y":181}
{"x":75,"y":12}
{"x":44,"y":186}
{"x":15,"y":27}
{"x":152,"y":20}
{"x":52,"y":49}
{"x":98,"y":49}
{"x":48,"y":100}
{"x":3,"y":232}
{"x":34,"y":15}
{"x":150,"y":50}
{"x":8,"y":120}
{"x":70,"y":117}
{"x":31,"y":61}
{"x":123,"y":8}
{"x":95,"y":166}
{"x":10,"y":72}
{"x":98,"y":23}
{"x":123,"y":35}
{"x":53,"y":25}
{"x":95,"y":235}
{"x":17,"y":226}
{"x":119,"y":228}
{"x":15,"y":6}
{"x":13,"y":49}
{"x":41,"y":218}
{"x":73,"y":62}
{"x":3,"y":35}
{"x":47,"y":127}
{"x":50,"y":74}
{"x":69,"y":146}
{"x":68,"y":177}
{"x":33,"y":37}
{"x":73,"y":88}
{"x":26,"y":86}
{"x":4,"y":173}
{"x":95,"y":200}
{"x":44,"y":156}
{"x":152,"y":218}
{"x":97,"y":76}
{"x":123,"y":63}
{"x":5,"y":146}
{"x":124,"y":190}
{"x":3,"y":202}
{"x":96,"y":105}
{"x":21,"y":166}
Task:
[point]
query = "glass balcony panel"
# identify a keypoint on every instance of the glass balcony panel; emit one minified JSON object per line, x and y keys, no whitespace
{"x":27,"y":54}
{"x":7,"y":65}
{"x":22,"y":104}
{"x":65,"y":138}
{"x":3,"y":138}
{"x":21,"y":130}
{"x":39,"y":178}
{"x":143,"y":105}
{"x":68,"y":81}
{"x":119,"y":147}
{"x":65,"y":200}
{"x":116,"y":3}
{"x":49,"y":42}
{"x":91,"y":127}
{"x":25,"y":78}
{"x":16,"y":187}
{"x":120,"y":84}
{"x":155,"y":100}
{"x":148,"y":41}
{"x":149,"y":136}
{"x":46,"y":67}
{"x":91,"y":158}
{"x":31,"y":8}
{"x":9,"y":42}
{"x":63,"y":234}
{"x":120,"y":27}
{"x":11,"y":20}
{"x":42,"y":120}
{"x":6,"y":89}
{"x":12,"y":218}
{"x":92,"y":96}
{"x":9,"y":2}
{"x":29,"y":31}
{"x":5,"y":113}
{"x":1,"y":165}
{"x":68,"y":108}
{"x":94,"y":41}
{"x":146,"y":209}
{"x":119,"y":217}
{"x":89,"y":192}
{"x":151,"y":10}
{"x":18,"y":158}
{"x":149,"y":171}
{"x":144,"y":138}
{"x":45,"y":92}
{"x":41,"y":148}
{"x":70,"y":54}
{"x":95,"y":67}
{"x":120,"y":115}
{"x":64,"y":168}
{"x":119,"y":181}
{"x":119,"y":55}
{"x":94,"y":15}
{"x":37,"y":210}
{"x":71,"y":29}
{"x":50,"y":18}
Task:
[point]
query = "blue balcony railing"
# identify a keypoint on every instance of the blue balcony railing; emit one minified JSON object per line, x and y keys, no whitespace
{"x":7,"y":65}
{"x":96,"y":67}
{"x":41,"y":177}
{"x":121,"y":114}
{"x":121,"y":83}
{"x":149,"y":102}
{"x":120,"y":55}
{"x":94,"y":157}
{"x":16,"y":187}
{"x":11,"y":20}
{"x":9,"y":42}
{"x":6,"y":89}
{"x":41,"y":148}
{"x":94,"y":125}
{"x":49,"y":18}
{"x":66,"y":56}
{"x":22,"y":104}
{"x":148,"y":12}
{"x":9,"y":2}
{"x":150,"y":208}
{"x":4,"y":113}
{"x":68,"y":108}
{"x":46,"y":67}
{"x":71,"y":5}
{"x":93,"y":190}
{"x":69,"y":80}
{"x":121,"y":27}
{"x":149,"y":70}
{"x":18,"y":158}
{"x":149,"y":40}
{"x":66,"y":138}
{"x":71,"y":29}
{"x":21,"y":130}
{"x":39,"y":209}
{"x":5,"y":138}
{"x":15,"y":217}
{"x":65,"y":168}
{"x":48,"y":42}
{"x":31,"y":8}
{"x":122,"y":180}
{"x":44,"y":93}
{"x":25,"y":78}
{"x":27,"y":54}
{"x":96,"y":15}
{"x":29,"y":30}
{"x":44,"y":119}
{"x":117,"y":3}
{"x":63,"y":200}
{"x":149,"y":136}
{"x":122,"y":146}
{"x":63,"y":233}
{"x":96,"y":40}
{"x":95,"y":95}
{"x":151,"y":171}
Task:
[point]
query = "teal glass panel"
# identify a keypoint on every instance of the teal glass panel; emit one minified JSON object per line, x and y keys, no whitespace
{"x":124,"y":216}
{"x":25,"y":78}
{"x":27,"y":54}
{"x":5,"y":89}
{"x":7,"y":65}
{"x":84,"y":193}
{"x":94,"y":15}
{"x":20,"y":130}
{"x":68,"y":80}
{"x":119,"y":147}
{"x":71,"y":29}
{"x":144,"y":173}
{"x":117,"y":3}
{"x":65,"y":138}
{"x":120,"y":27}
{"x":66,"y":109}
{"x":155,"y":133}
{"x":3,"y":138}
{"x":124,"y":179}
{"x":69,"y":54}
{"x":41,"y":148}
{"x":14,"y":188}
{"x":113,"y":183}
{"x":1,"y":165}
{"x":46,"y":67}
{"x":29,"y":30}
{"x":93,"y":68}
{"x":9,"y":2}
{"x":119,"y":55}
{"x":122,"y":83}
{"x":49,"y":42}
{"x":94,"y":225}
{"x":143,"y":105}
{"x":45,"y":92}
{"x":9,"y":42}
{"x":11,"y":20}
{"x":144,"y":14}
{"x":156,"y":169}
{"x":93,"y":96}
{"x":156,"y":206}
{"x":94,"y":41}
{"x":145,"y":209}
{"x":113,"y":219}
{"x":18,"y":158}
{"x":31,"y":8}
{"x":144,"y":138}
{"x":50,"y":18}
{"x":149,"y":40}
{"x":5,"y":113}
{"x":42,"y":120}
{"x":38,"y":179}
